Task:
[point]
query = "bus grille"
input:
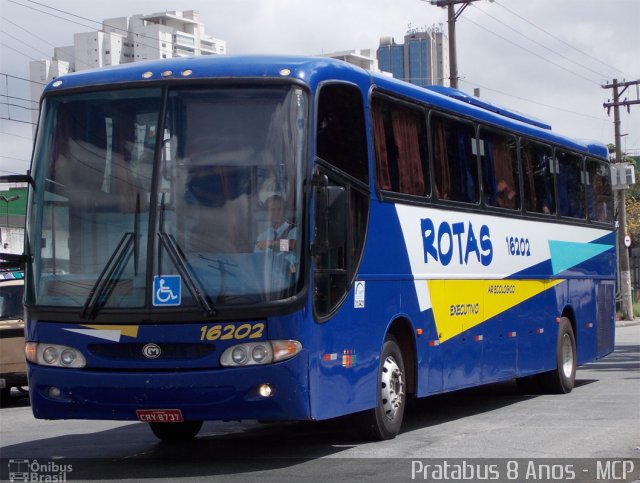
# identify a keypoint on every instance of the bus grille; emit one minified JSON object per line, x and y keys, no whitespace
{"x":134,"y":351}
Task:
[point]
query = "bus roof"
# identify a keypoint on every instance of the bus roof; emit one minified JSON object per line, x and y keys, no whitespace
{"x":313,"y":70}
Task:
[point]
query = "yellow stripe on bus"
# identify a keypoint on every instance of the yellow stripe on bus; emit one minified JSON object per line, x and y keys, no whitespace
{"x":459,"y":305}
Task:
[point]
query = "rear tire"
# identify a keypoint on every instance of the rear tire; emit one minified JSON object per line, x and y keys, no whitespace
{"x":529,"y":384}
{"x":562,"y":379}
{"x":176,"y":432}
{"x":5,"y":396}
{"x":384,"y":421}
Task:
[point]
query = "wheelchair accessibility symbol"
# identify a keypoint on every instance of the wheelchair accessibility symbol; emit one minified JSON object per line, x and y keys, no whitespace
{"x":167,"y":290}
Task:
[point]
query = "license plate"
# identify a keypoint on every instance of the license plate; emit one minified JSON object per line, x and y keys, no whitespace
{"x":160,"y":415}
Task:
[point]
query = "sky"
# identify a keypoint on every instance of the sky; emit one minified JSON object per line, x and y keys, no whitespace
{"x":546,"y":58}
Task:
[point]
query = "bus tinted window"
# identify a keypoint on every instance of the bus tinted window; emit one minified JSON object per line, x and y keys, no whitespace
{"x":599,"y":196}
{"x":537,"y":163}
{"x":454,"y":159}
{"x":571,"y":200}
{"x":400,"y":143}
{"x":341,"y":135}
{"x":500,"y":172}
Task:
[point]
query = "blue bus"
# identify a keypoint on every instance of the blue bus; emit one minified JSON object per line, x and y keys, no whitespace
{"x":289,"y":238}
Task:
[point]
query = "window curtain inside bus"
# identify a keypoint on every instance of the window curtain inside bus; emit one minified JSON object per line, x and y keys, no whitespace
{"x":410,"y":170}
{"x":599,"y":197}
{"x":506,"y":165}
{"x":443,"y":180}
{"x":464,"y":166}
{"x":500,"y":171}
{"x":455,"y":161}
{"x":539,"y":193}
{"x":382,"y":159}
{"x":571,"y":195}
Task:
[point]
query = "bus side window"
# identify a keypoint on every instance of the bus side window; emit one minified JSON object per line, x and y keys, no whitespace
{"x":571,"y":195}
{"x":341,"y":142}
{"x":537,"y":163}
{"x":340,"y":128}
{"x":454,"y":159}
{"x":599,"y":195}
{"x":400,"y":135}
{"x":500,"y":172}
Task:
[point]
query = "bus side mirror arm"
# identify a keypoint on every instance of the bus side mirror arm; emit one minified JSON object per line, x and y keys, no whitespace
{"x":320,"y":183}
{"x":18,"y":178}
{"x":12,"y":261}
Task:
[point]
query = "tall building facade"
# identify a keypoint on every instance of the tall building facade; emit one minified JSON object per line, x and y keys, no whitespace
{"x":423,"y":58}
{"x":128,"y":39}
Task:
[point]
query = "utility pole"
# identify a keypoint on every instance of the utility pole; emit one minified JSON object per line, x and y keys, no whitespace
{"x":623,"y":251}
{"x":452,"y":17}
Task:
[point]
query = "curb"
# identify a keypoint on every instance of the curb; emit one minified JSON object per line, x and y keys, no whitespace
{"x":627,"y":323}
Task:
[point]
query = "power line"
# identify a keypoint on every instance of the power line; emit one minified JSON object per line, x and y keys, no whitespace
{"x":16,"y":135}
{"x":12,"y":22}
{"x":560,"y":40}
{"x":466,"y":19}
{"x":535,"y":102}
{"x":155,"y":39}
{"x":18,"y":98}
{"x":540,"y":43}
{"x":24,"y":43}
{"x":53,"y":15}
{"x":37,"y":37}
{"x":14,"y":159}
{"x":17,"y":51}
{"x":17,"y":120}
{"x":22,"y":79}
{"x":17,"y":105}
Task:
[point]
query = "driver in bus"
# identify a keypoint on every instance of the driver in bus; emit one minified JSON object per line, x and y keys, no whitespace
{"x":280,"y":236}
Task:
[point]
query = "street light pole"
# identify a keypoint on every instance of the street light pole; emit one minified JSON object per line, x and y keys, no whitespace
{"x":452,"y":17}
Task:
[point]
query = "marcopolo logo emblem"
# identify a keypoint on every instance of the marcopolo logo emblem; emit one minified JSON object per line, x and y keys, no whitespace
{"x":151,"y":351}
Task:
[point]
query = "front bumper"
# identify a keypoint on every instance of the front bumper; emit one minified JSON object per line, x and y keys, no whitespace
{"x":219,"y":394}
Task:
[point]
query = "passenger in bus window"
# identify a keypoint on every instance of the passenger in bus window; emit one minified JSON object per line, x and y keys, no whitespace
{"x":506,"y":195}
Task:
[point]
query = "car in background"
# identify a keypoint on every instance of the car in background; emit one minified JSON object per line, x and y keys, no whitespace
{"x":13,"y":368}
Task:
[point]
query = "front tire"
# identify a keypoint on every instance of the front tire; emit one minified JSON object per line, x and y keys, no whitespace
{"x":176,"y":432}
{"x":562,"y":379}
{"x":384,"y":421}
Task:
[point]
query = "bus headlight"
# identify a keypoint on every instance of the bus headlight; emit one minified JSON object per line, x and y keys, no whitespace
{"x":54,"y":355}
{"x":253,"y":353}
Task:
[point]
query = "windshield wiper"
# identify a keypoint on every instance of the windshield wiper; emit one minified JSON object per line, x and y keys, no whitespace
{"x":169,"y":243}
{"x":109,"y":277}
{"x":190,"y":280}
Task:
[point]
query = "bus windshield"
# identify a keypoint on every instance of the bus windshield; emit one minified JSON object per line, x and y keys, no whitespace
{"x":207,"y":197}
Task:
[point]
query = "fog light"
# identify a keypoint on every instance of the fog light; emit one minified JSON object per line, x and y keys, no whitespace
{"x":239,"y":355}
{"x":50,"y":355}
{"x":265,"y":390}
{"x":54,"y":392}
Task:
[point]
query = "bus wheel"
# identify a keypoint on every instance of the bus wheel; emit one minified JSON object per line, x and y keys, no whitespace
{"x":529,"y":384}
{"x":5,"y":396}
{"x":562,"y":379}
{"x":176,"y":432}
{"x":384,"y":421}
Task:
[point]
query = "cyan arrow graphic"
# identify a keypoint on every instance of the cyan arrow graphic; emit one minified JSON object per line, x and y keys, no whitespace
{"x":565,"y":255}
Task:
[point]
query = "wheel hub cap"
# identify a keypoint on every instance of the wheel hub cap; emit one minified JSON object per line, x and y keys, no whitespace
{"x":391,"y":388}
{"x":567,"y":356}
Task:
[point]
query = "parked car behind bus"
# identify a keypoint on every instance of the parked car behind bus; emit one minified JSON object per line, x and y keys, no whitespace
{"x":13,"y":369}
